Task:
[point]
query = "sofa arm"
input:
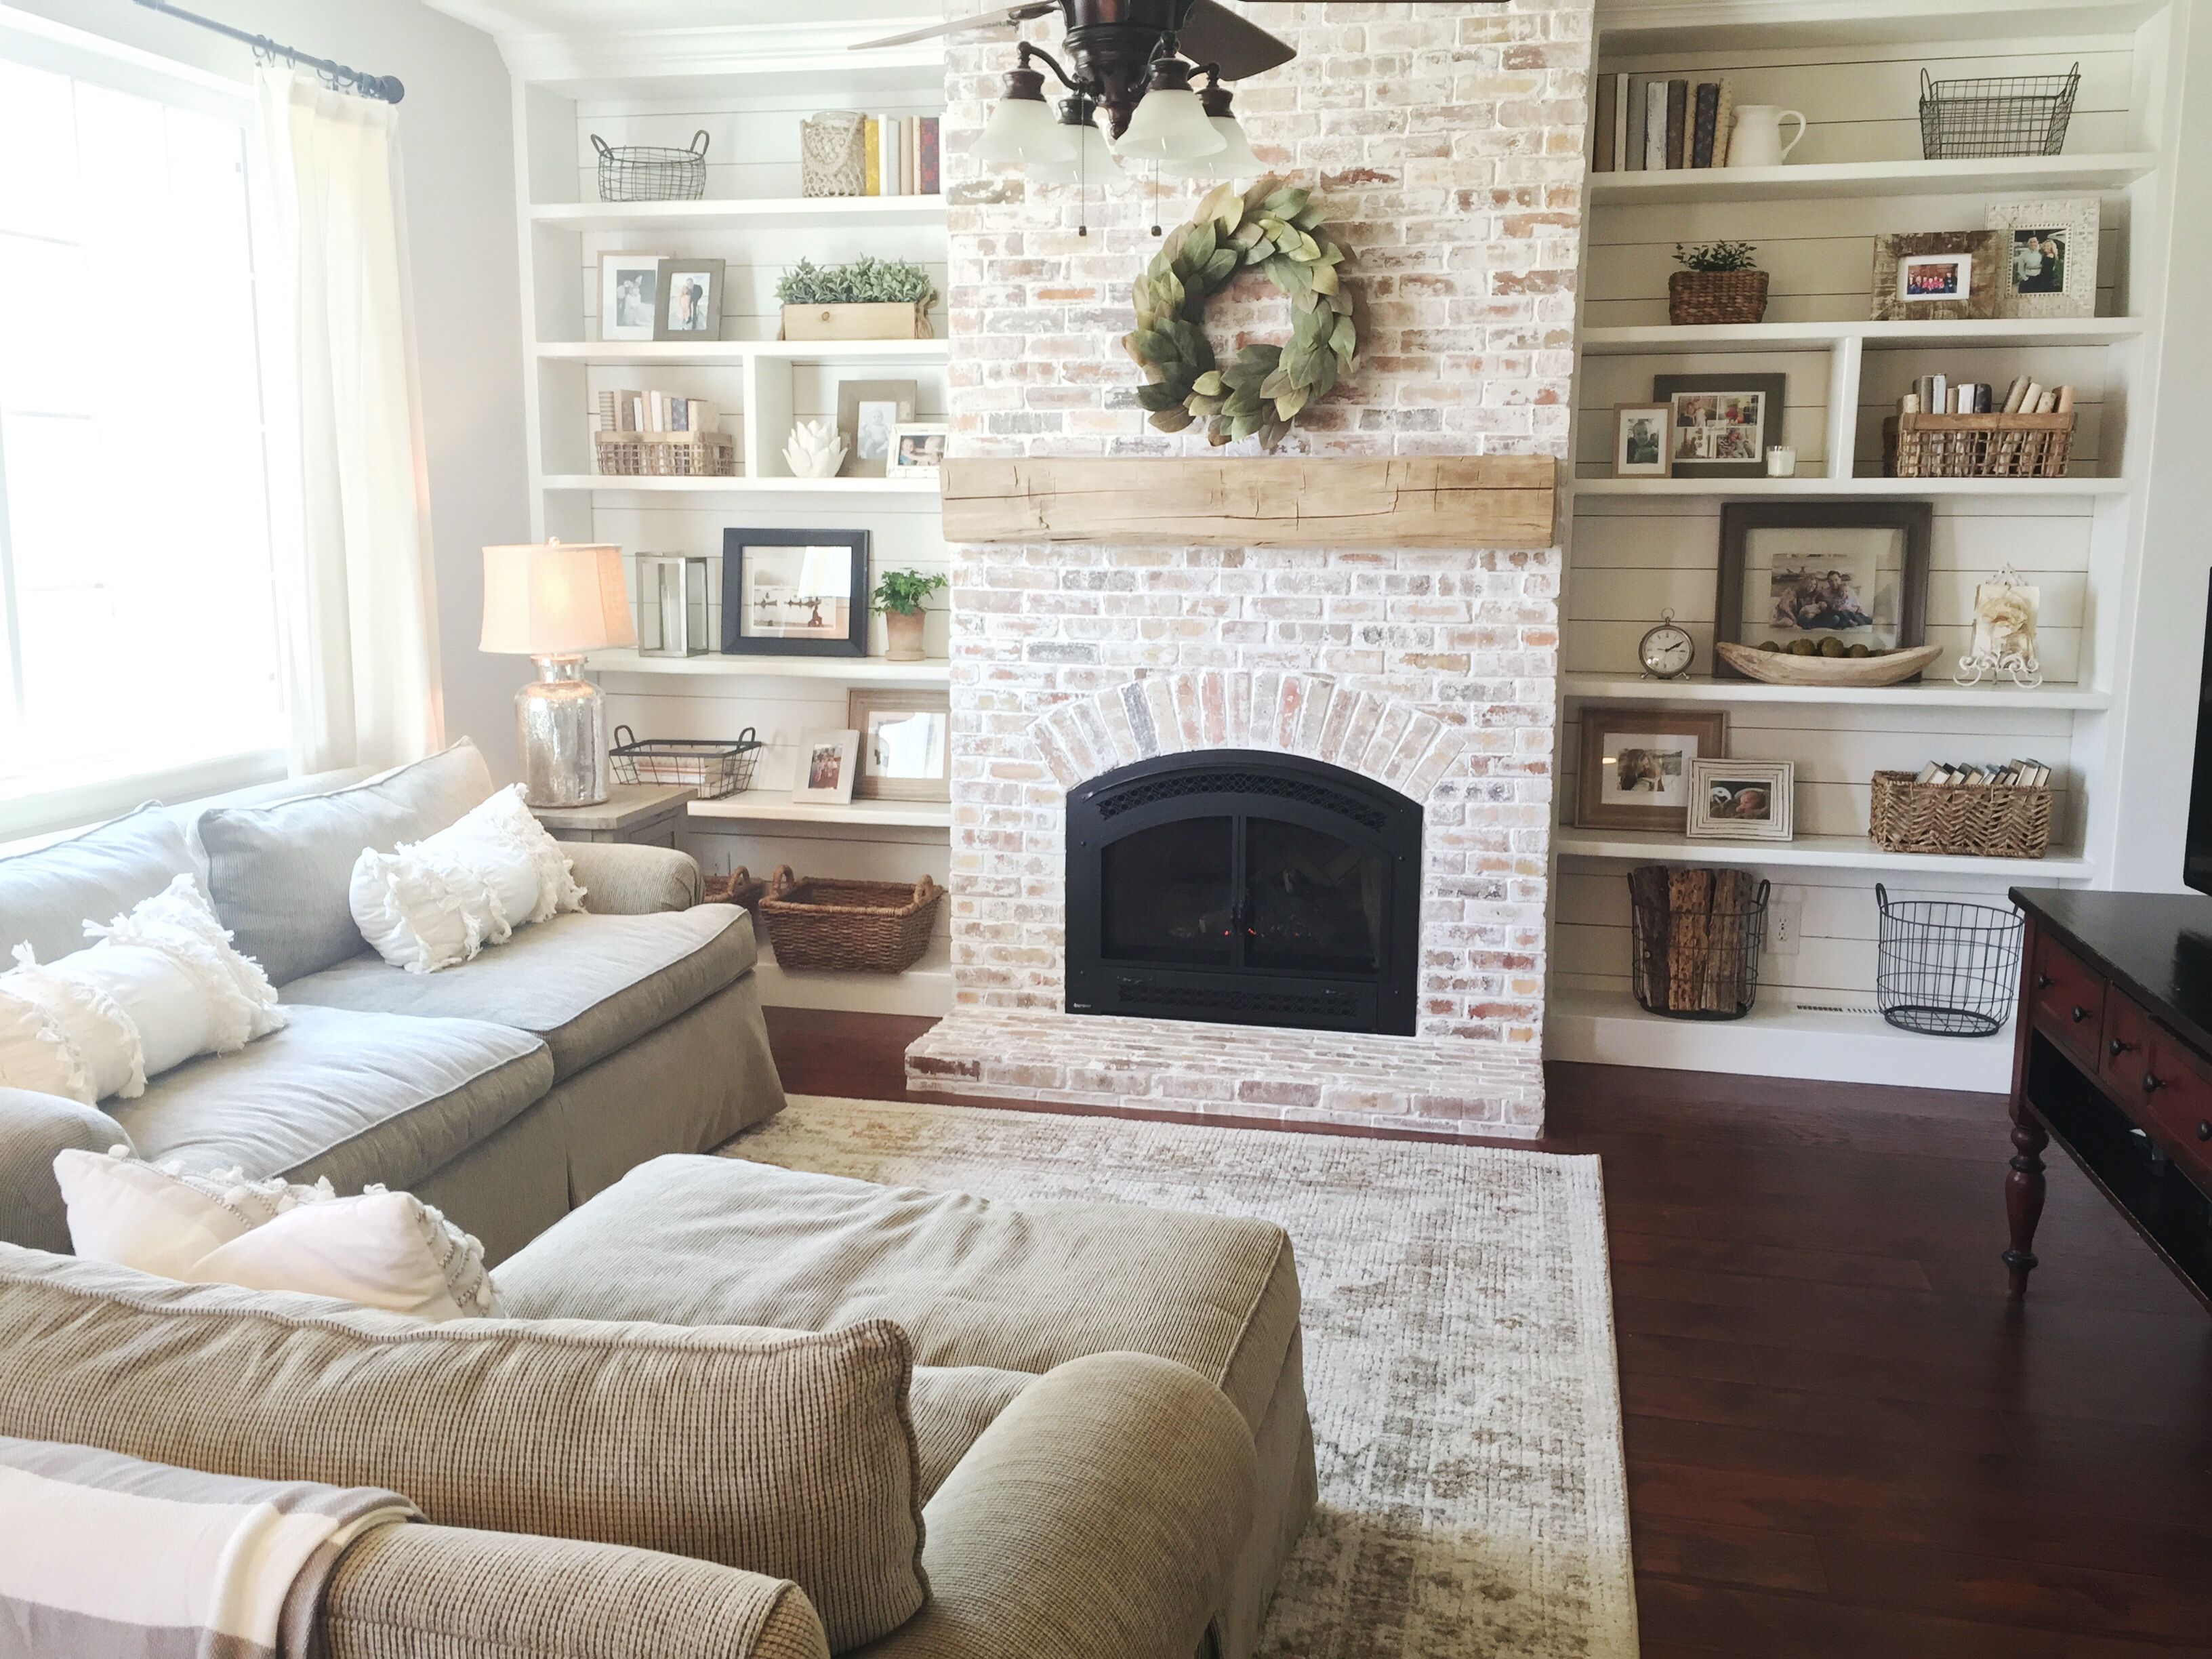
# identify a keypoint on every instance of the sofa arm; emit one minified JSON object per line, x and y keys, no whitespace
{"x":1098,"y":1517}
{"x":410,"y":1589}
{"x":620,"y":880}
{"x":32,"y":1128}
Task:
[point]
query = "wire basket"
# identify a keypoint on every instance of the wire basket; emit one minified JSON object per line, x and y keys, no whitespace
{"x":714,"y":768}
{"x":1696,"y":935}
{"x":1996,"y":115}
{"x":1947,"y":968}
{"x":651,"y":173}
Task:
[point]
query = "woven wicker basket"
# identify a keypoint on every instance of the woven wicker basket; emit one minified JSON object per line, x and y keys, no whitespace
{"x":666,"y":454}
{"x":1961,"y":821}
{"x":1979,"y":445}
{"x":1715,"y":296}
{"x":870,"y":927}
{"x":740,"y":887}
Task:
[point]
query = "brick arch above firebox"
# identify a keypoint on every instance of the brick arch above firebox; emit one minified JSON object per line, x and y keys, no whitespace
{"x":1315,"y":716}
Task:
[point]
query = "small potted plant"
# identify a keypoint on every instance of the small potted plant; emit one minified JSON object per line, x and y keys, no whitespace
{"x":1718,"y":283}
{"x":899,"y":596}
{"x":870,"y":299}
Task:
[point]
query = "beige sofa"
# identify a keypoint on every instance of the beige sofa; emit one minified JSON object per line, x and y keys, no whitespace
{"x":505,"y":1090}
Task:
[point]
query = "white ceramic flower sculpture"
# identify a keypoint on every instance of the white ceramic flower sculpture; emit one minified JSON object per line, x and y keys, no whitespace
{"x":814,"y":451}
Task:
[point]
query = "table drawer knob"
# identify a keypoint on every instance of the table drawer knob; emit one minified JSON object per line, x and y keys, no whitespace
{"x":2204,"y":1131}
{"x":2080,"y":1014}
{"x":2153,"y":1084}
{"x":2120,"y":1048}
{"x":2043,"y":981}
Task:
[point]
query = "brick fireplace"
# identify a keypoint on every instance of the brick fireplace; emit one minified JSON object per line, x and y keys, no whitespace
{"x":1447,"y":143}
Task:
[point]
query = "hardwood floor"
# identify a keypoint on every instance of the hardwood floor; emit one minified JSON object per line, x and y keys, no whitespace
{"x":1844,"y":1437}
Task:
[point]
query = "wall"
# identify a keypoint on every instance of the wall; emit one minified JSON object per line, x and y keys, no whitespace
{"x":457,"y":146}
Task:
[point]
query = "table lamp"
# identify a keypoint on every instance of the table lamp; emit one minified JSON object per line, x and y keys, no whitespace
{"x":552,"y":604}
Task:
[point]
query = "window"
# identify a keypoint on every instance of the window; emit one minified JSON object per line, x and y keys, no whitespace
{"x":138,"y":618}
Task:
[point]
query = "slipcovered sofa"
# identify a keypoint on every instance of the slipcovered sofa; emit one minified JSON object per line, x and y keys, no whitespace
{"x":505,"y":1090}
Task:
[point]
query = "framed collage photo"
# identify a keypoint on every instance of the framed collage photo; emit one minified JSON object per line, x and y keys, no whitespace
{"x":795,"y":592}
{"x":1636,"y":762}
{"x":1721,"y":426}
{"x":1853,"y":572}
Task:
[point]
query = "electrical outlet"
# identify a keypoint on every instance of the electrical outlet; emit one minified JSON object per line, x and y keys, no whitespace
{"x":1785,"y":926}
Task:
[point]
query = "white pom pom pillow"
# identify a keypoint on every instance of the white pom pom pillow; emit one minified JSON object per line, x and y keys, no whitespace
{"x":441,"y":900}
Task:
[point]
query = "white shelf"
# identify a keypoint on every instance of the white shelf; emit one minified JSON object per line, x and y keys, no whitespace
{"x":856,"y":671}
{"x":1864,"y":179}
{"x":1808,"y":852}
{"x":1662,"y":339}
{"x":924,"y":988}
{"x":2031,"y":489}
{"x":1986,"y":699}
{"x":727,"y":354}
{"x":1779,"y":1038}
{"x":1635,"y":28}
{"x":603,"y":483}
{"x":774,"y":212}
{"x":766,"y":808}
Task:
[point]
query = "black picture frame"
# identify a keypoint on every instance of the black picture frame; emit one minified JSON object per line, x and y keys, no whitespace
{"x":1774,"y":388}
{"x":1739,"y":520}
{"x":736,"y":643}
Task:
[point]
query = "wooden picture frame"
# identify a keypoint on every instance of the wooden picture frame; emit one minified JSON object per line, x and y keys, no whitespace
{"x":1767,"y":792}
{"x":862,"y":416}
{"x":677,"y":314}
{"x":767,"y":574}
{"x":1684,"y":735}
{"x":1699,"y":408}
{"x":1629,"y":433}
{"x":866,"y":712}
{"x":2033,"y":236}
{"x":1914,"y":522}
{"x":1970,"y":258}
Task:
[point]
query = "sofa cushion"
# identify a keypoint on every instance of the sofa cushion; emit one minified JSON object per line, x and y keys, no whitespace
{"x":279,"y":874}
{"x":587,"y":984}
{"x":358,"y":1097}
{"x":785,"y":1453}
{"x":47,"y":895}
{"x":688,"y":1240}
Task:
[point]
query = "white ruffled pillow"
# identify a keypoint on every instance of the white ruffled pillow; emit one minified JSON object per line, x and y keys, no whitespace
{"x":381,"y":1250}
{"x":440,"y":900}
{"x":159,"y":986}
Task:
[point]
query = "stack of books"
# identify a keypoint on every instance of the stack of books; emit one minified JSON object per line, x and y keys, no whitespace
{"x":901,"y":158}
{"x":1937,"y":394}
{"x":2013,"y":775}
{"x":656,"y":411}
{"x":1650,"y":124}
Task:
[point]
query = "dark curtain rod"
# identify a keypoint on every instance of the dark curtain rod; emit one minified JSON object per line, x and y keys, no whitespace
{"x":339,"y":76}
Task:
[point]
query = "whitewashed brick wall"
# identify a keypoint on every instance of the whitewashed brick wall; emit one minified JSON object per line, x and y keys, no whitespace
{"x":1447,"y":143}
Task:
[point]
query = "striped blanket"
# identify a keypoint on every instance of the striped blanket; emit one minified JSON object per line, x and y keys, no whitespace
{"x":108,"y":1557}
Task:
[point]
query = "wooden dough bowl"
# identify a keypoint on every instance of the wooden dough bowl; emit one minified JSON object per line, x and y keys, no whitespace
{"x":1779,"y":668}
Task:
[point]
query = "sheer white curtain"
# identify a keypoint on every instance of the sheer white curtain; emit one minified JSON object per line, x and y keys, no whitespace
{"x":361,"y":638}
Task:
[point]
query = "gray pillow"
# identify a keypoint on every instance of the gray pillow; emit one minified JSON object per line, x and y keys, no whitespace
{"x":278,"y":874}
{"x":48,"y":894}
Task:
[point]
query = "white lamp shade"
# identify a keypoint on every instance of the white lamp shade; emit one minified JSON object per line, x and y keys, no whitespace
{"x":556,"y":601}
{"x":1234,"y":160}
{"x":1022,"y":130}
{"x":1099,"y":162}
{"x":1170,"y":126}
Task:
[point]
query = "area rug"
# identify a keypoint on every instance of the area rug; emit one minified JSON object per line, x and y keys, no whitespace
{"x":1458,"y":1349}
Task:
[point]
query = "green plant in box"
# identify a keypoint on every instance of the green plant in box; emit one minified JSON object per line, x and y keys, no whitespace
{"x":1717,"y":256}
{"x":865,"y":282}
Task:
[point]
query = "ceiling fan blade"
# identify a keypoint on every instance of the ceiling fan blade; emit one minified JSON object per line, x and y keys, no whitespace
{"x":1004,"y":18}
{"x":1211,"y":34}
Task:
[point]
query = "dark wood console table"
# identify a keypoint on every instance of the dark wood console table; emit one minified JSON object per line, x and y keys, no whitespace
{"x":2113,"y":1060}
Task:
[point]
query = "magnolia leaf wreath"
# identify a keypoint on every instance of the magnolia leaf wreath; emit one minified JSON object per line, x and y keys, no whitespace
{"x":1276,"y":227}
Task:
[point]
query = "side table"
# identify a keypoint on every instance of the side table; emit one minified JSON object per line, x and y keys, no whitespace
{"x":637,"y":814}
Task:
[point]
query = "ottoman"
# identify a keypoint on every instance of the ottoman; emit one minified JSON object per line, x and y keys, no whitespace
{"x":993,"y":1295}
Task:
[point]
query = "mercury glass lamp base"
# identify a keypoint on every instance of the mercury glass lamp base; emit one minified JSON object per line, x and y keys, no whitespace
{"x":561,"y":722}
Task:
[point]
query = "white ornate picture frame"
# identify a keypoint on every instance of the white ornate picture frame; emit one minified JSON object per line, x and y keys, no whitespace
{"x":2047,"y":256}
{"x":2006,"y":610}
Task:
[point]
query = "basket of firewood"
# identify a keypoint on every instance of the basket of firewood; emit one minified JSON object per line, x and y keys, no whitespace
{"x":1695,"y":939}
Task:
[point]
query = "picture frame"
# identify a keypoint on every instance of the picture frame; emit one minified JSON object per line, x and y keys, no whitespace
{"x":1721,"y":426}
{"x":829,"y":762}
{"x":795,"y":592}
{"x":1742,"y":800}
{"x":1641,"y":448}
{"x":917,"y":446}
{"x":2048,"y":252}
{"x":867,"y":413}
{"x":906,"y":744}
{"x":689,"y":305}
{"x":1635,"y":764}
{"x":629,"y":295}
{"x":1857,"y":571}
{"x":1936,"y":276}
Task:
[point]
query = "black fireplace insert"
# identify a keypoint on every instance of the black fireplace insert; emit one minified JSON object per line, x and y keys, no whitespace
{"x":1246,"y":888}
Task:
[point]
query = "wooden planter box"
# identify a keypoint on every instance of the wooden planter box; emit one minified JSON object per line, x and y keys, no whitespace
{"x":871,"y":322}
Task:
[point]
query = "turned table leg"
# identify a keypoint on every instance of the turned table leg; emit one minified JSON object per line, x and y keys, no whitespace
{"x":2024,"y":1198}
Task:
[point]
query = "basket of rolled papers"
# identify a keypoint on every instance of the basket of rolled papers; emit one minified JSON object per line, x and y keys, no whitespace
{"x":1964,"y":811}
{"x":1969,"y":436}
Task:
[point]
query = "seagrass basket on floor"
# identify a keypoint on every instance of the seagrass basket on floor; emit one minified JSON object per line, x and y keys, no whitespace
{"x":867,"y":926}
{"x":1715,"y":296}
{"x":1987,"y":821}
{"x":740,"y":887}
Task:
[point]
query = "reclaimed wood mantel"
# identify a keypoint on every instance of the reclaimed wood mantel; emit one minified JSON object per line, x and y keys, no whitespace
{"x":1486,"y":502}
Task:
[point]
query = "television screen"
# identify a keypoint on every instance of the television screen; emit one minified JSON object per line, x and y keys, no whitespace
{"x":2196,"y":860}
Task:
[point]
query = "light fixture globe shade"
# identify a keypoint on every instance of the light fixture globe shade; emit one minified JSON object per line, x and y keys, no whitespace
{"x":1170,"y":125}
{"x":1098,"y":162}
{"x":1023,"y":131}
{"x":1234,"y":159}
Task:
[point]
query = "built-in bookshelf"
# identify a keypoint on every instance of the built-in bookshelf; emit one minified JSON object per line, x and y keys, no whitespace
{"x":1639,"y":547}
